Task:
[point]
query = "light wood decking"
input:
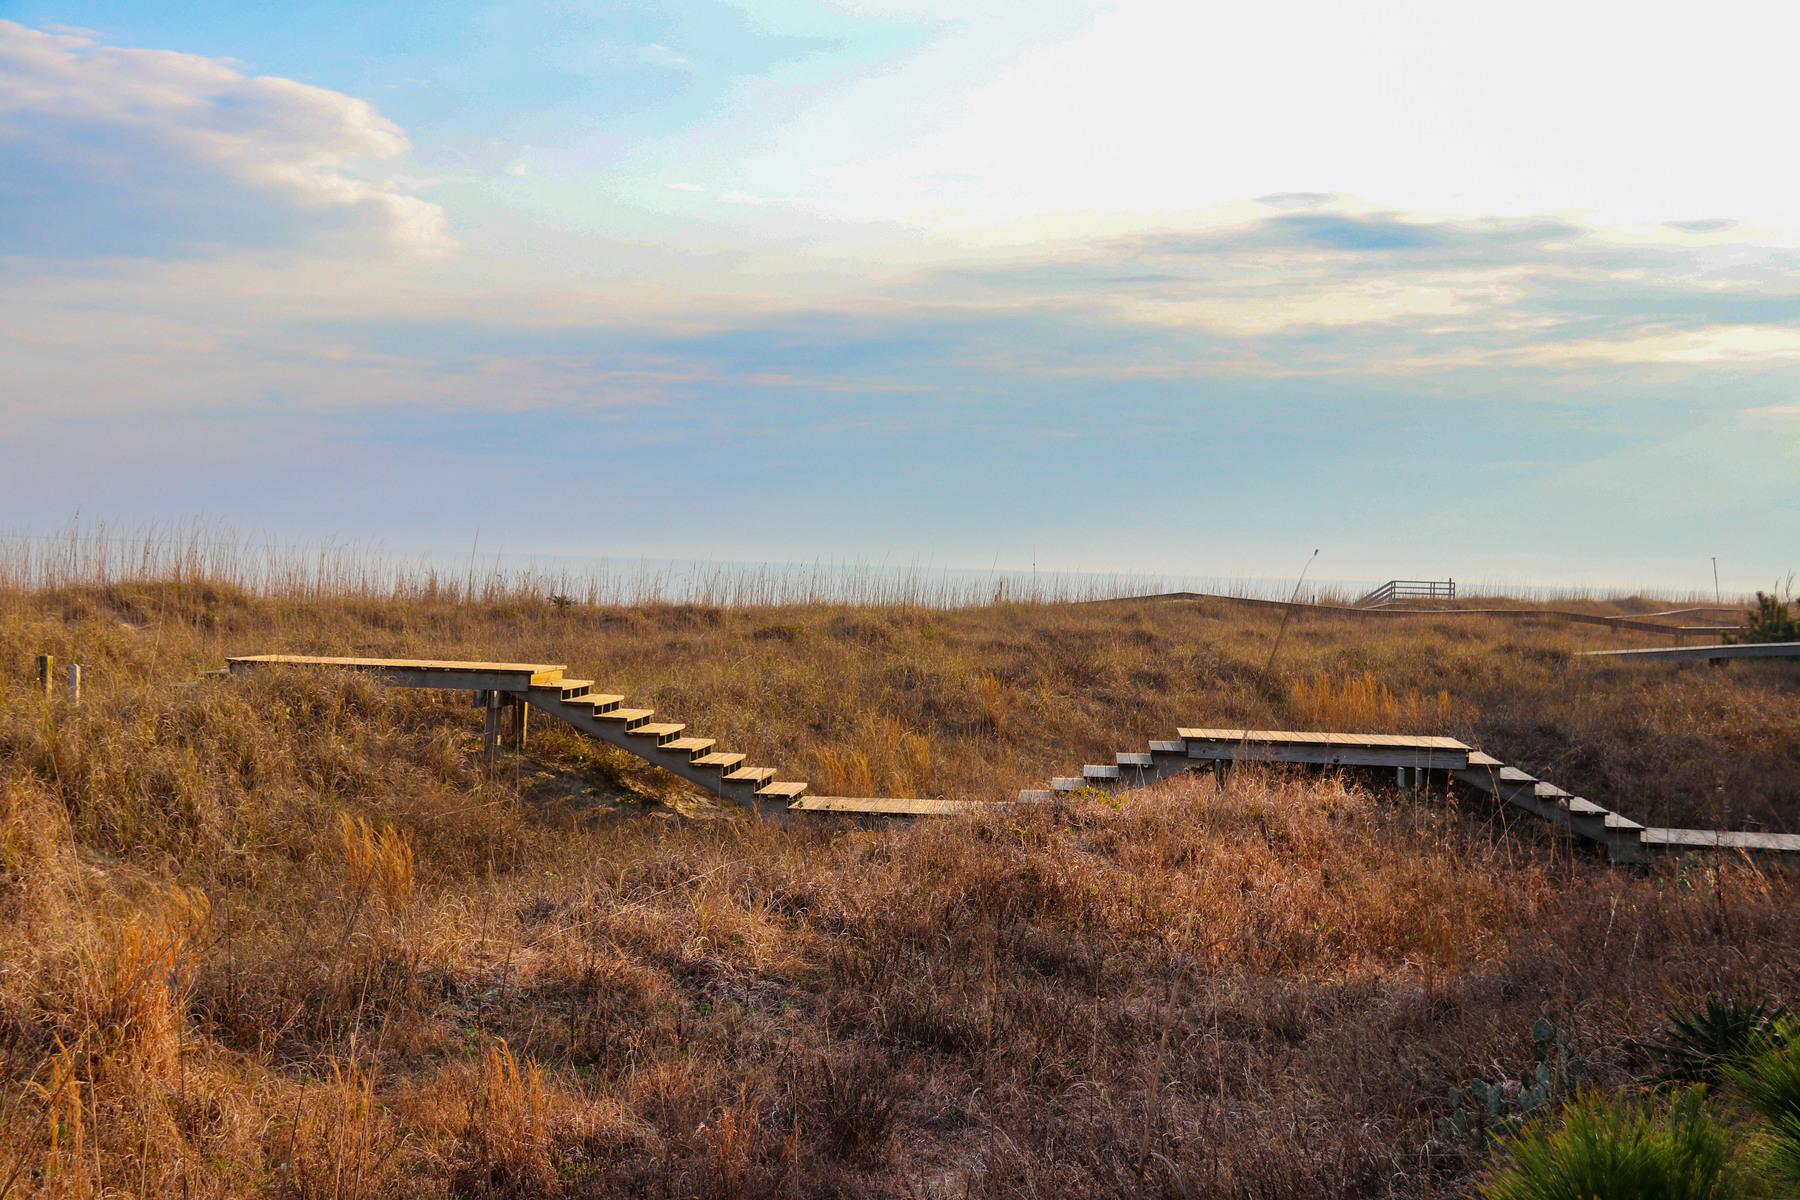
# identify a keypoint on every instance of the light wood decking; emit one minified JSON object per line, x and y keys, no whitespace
{"x":506,"y":689}
{"x":1623,"y":839}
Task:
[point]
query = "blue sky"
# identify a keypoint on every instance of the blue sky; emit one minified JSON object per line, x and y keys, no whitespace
{"x":1493,"y":292}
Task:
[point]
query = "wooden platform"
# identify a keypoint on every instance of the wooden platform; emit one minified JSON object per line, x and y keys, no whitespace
{"x":1710,"y":653}
{"x":883,"y":806}
{"x":1326,"y":749}
{"x":421,"y":672}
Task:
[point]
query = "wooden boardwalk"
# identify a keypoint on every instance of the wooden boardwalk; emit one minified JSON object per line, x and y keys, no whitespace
{"x":508,"y":691}
{"x":1718,"y":655}
{"x":1325,"y":749}
{"x":1623,"y":839}
{"x":1641,"y":624}
{"x":419,"y":672}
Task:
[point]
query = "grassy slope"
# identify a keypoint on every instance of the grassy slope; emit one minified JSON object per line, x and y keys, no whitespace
{"x":521,"y":988}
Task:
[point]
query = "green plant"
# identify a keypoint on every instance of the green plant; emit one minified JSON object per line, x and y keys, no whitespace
{"x":1771,"y":622}
{"x":1771,"y":1083}
{"x":1618,"y":1149}
{"x":1700,"y":1043}
{"x":1506,"y":1103}
{"x":562,"y":602}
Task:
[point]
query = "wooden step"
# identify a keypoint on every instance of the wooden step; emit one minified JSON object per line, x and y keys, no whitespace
{"x":1099,"y":772}
{"x":602,"y":702}
{"x":756,"y":775}
{"x":1067,"y":785}
{"x":724,"y":762}
{"x":569,"y":689}
{"x":693,"y":746}
{"x":664,"y":733}
{"x":1135,"y":760}
{"x":1169,"y":748}
{"x":780,"y":791}
{"x":632,"y":717}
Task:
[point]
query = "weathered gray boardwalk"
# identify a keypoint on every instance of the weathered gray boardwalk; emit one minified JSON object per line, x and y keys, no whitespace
{"x":1640,"y":624}
{"x":1717,"y":839}
{"x":1715,"y":654}
{"x":1325,"y":749}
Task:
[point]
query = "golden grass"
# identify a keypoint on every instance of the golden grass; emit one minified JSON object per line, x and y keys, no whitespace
{"x":279,"y":935}
{"x":1363,"y":702}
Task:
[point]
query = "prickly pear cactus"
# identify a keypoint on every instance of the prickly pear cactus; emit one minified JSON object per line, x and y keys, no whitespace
{"x":1482,"y":1109}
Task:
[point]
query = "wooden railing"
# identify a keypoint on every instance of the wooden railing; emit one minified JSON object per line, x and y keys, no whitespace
{"x":1410,"y":589}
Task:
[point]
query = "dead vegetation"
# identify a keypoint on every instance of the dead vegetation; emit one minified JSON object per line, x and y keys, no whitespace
{"x":277,"y":936}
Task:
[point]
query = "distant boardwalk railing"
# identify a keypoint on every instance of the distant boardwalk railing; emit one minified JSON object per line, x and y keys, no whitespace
{"x":1410,"y":589}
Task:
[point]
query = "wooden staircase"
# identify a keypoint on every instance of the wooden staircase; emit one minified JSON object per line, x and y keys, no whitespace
{"x":664,"y":744}
{"x":500,"y":687}
{"x":1623,"y":839}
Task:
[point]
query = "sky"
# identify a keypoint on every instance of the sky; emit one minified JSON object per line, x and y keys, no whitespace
{"x":1498,"y":292}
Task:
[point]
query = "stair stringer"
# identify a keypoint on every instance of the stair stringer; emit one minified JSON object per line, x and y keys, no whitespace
{"x":677,"y":762}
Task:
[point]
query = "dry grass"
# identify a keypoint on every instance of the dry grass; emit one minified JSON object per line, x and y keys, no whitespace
{"x":1364,"y":702}
{"x":277,"y":936}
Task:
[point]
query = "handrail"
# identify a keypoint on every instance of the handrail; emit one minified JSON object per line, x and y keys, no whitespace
{"x":1410,"y":589}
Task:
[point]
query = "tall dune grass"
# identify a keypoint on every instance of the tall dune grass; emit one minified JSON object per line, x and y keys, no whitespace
{"x":281,"y":935}
{"x":95,"y":553}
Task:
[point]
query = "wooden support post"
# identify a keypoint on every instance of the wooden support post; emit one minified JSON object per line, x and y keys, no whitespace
{"x":74,"y":685}
{"x":46,"y":665}
{"x":490,"y":730}
{"x":516,"y":709}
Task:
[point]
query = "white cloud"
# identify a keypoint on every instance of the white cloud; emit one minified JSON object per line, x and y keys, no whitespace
{"x":1646,"y":114}
{"x":152,"y":153}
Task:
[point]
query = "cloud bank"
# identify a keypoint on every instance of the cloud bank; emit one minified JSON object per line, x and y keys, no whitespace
{"x":151,"y":153}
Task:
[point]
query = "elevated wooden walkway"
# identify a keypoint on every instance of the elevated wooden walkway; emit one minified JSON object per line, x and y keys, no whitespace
{"x":1640,"y":624}
{"x":507,"y":691}
{"x":1325,"y":749}
{"x":420,"y":672}
{"x":1623,"y":839}
{"x":1717,"y":655}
